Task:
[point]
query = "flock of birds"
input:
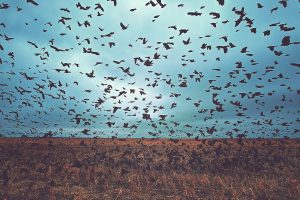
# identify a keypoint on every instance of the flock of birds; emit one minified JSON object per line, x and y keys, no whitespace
{"x":85,"y":73}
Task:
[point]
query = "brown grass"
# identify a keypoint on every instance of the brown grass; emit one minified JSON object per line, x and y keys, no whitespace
{"x":149,"y":169}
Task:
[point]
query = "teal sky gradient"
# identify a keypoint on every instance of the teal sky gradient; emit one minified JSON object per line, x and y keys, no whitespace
{"x":222,"y":104}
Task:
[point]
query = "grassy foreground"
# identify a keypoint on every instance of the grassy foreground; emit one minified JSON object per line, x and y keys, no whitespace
{"x":149,"y":169}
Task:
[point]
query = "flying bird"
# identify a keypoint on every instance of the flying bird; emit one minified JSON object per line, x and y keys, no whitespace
{"x":32,"y":2}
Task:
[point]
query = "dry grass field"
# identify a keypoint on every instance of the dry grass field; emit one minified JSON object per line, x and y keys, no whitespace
{"x":149,"y":169}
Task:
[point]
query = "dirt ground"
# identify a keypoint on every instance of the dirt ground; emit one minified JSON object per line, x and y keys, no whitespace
{"x":61,"y":168}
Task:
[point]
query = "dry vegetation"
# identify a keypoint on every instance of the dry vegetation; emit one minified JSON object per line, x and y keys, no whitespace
{"x":149,"y":169}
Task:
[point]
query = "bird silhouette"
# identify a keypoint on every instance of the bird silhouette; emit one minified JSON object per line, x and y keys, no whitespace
{"x":32,"y":2}
{"x":123,"y":26}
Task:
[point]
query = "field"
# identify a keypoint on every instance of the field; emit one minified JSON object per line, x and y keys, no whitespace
{"x":149,"y":169}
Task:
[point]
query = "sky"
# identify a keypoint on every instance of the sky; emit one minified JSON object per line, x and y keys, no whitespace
{"x":174,"y":69}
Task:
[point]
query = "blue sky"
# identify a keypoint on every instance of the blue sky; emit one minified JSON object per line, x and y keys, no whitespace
{"x":211,"y":104}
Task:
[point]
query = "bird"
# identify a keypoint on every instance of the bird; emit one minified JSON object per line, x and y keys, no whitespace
{"x":33,"y":44}
{"x":182,"y":31}
{"x":90,"y":75}
{"x":221,"y":2}
{"x":187,"y":42}
{"x":99,"y":6}
{"x":123,"y":26}
{"x":32,"y":2}
{"x":195,"y":13}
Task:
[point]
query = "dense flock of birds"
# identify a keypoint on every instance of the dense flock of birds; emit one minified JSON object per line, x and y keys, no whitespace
{"x":149,"y":69}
